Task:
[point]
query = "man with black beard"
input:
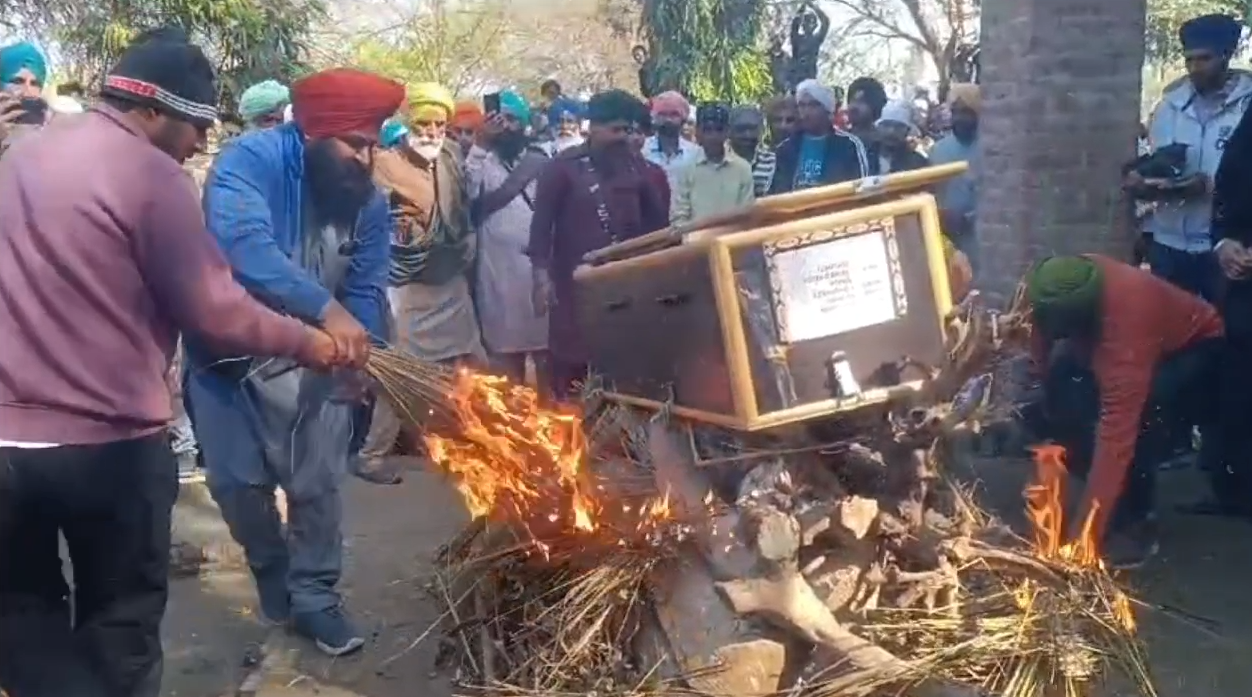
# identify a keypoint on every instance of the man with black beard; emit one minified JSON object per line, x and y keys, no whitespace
{"x":305,"y":231}
{"x":500,"y":176}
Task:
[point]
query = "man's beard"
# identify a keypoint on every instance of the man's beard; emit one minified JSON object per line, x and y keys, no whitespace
{"x":669,"y":128}
{"x":340,"y":187}
{"x":510,"y":145}
{"x":745,"y":148}
{"x":964,"y":132}
{"x":426,"y":148}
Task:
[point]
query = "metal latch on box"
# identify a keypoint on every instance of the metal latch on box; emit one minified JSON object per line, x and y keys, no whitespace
{"x":839,"y":379}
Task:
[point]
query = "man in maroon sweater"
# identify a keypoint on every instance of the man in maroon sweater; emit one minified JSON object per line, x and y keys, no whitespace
{"x":104,"y":259}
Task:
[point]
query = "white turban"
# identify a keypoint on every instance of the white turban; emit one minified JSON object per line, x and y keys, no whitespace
{"x":818,"y":92}
{"x":898,"y":112}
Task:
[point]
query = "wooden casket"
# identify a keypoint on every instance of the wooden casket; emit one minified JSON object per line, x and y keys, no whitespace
{"x":788,"y":311}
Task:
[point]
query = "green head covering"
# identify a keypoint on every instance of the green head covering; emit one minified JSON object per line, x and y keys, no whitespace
{"x":263,"y":98}
{"x":1064,"y":290}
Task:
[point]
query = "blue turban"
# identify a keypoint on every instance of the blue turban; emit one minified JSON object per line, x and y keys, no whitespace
{"x":562,"y":106}
{"x":263,"y":98}
{"x":515,"y":105}
{"x":1216,"y":32}
{"x":392,"y":134}
{"x":26,"y":55}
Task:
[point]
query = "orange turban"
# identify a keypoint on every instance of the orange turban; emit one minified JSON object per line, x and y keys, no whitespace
{"x":467,"y":115}
{"x":344,"y":101}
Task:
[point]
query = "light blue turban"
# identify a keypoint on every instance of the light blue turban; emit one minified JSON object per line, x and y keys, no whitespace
{"x":25,"y":55}
{"x":515,"y":105}
{"x":392,"y":133}
{"x":263,"y":98}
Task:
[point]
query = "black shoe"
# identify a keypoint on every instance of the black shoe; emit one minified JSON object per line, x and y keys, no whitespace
{"x":384,"y":471}
{"x":1131,"y":549}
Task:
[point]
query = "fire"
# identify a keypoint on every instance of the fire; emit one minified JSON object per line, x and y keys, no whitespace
{"x":1045,"y":507}
{"x":510,"y":456}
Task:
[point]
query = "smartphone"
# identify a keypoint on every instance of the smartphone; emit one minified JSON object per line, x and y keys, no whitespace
{"x":491,"y":103}
{"x":34,"y":111}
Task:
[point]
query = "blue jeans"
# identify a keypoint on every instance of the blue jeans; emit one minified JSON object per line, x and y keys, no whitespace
{"x":1196,"y":273}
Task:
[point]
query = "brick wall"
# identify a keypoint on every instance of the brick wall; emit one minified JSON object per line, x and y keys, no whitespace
{"x":1060,"y":87}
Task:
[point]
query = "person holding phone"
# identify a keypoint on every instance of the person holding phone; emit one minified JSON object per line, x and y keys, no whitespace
{"x":23,"y":70}
{"x":500,"y":175}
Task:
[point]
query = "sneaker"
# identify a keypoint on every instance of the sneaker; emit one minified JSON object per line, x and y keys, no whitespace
{"x":330,"y":630}
{"x":383,"y":471}
{"x":1132,"y":548}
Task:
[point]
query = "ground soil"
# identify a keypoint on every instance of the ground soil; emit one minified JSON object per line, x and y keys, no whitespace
{"x":213,"y":639}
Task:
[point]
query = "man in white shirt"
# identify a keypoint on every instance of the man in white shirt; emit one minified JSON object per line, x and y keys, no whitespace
{"x":668,"y":149}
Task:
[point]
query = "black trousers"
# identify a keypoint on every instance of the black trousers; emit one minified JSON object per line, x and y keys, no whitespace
{"x":112,"y":502}
{"x":1184,"y":390}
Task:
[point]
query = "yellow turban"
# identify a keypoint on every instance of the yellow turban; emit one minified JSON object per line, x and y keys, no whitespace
{"x":965,"y":93}
{"x":430,"y":100}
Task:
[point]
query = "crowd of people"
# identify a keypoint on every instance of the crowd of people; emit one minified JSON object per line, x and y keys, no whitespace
{"x":354,"y":211}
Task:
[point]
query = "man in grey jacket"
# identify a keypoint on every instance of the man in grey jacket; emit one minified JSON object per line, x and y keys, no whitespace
{"x":1200,"y":111}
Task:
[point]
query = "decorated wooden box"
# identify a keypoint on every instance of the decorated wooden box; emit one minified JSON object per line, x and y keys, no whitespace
{"x":783,"y":313}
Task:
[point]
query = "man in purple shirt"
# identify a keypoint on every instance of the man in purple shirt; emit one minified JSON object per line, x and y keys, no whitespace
{"x":104,"y":260}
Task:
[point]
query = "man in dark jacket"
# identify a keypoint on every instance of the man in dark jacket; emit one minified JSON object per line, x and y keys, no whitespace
{"x":818,"y":154}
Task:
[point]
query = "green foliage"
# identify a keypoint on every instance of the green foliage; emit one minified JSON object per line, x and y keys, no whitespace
{"x":1165,"y":16}
{"x":454,"y":46}
{"x":248,"y":40}
{"x":709,"y":49}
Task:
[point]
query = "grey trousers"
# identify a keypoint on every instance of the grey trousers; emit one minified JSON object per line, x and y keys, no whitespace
{"x":286,"y":432}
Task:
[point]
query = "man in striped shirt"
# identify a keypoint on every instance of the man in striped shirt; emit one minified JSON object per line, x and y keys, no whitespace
{"x":747,"y":124}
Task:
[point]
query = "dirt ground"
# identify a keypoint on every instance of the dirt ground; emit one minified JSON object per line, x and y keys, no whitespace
{"x":1199,"y":644}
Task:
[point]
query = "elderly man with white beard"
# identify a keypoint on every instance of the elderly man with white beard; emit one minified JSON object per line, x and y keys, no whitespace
{"x":432,"y":253}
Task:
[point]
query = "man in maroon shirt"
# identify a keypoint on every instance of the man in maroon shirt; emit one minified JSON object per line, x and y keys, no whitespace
{"x":104,"y":259}
{"x":588,"y":197}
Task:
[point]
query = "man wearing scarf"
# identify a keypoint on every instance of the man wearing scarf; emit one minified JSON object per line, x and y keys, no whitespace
{"x":23,"y":72}
{"x":1202,"y":112}
{"x":296,"y":212}
{"x":262,"y":105}
{"x":500,"y":175}
{"x":1123,"y":353}
{"x":717,"y":181}
{"x":957,"y":196}
{"x":97,"y":289}
{"x":818,"y":154}
{"x":432,"y":253}
{"x":587,"y":198}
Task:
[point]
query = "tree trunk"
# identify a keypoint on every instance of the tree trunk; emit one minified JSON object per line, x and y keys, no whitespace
{"x":1060,"y":113}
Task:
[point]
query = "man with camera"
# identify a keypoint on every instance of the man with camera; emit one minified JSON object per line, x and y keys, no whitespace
{"x":23,"y":70}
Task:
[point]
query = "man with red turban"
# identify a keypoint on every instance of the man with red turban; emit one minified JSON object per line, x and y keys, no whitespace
{"x":297,"y":215}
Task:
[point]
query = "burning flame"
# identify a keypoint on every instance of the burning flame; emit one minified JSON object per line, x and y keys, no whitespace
{"x":1045,"y":508}
{"x":510,"y":456}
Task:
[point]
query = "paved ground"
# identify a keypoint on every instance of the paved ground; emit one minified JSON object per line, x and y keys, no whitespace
{"x":1205,"y":570}
{"x":211,"y":628}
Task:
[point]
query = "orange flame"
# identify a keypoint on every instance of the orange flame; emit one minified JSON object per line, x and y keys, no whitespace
{"x":511,"y":457}
{"x":1045,"y":508}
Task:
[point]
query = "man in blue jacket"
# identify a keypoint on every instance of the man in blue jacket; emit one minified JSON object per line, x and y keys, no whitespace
{"x":297,"y":214}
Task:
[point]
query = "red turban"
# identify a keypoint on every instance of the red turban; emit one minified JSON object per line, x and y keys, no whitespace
{"x":468,"y":115}
{"x":343,"y":101}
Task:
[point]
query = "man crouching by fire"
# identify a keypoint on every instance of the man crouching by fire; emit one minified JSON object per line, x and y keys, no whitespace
{"x":296,"y":213}
{"x":1126,"y":354}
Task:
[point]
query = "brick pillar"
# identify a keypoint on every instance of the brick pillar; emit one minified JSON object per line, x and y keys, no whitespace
{"x":1060,"y":89}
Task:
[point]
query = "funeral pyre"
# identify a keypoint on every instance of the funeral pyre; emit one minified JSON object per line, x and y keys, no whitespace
{"x":615,"y":552}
